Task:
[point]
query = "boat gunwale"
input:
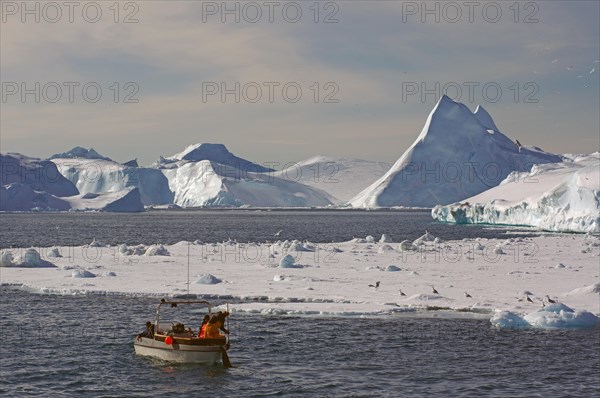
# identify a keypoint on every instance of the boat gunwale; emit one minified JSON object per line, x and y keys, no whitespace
{"x":192,"y":341}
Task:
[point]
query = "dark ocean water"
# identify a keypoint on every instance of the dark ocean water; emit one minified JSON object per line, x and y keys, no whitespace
{"x":168,"y":227}
{"x":81,"y":346}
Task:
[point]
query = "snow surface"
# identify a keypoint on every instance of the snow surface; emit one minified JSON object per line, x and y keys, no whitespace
{"x":342,"y":178}
{"x":336,"y":282}
{"x":556,"y":197}
{"x":457,"y":155}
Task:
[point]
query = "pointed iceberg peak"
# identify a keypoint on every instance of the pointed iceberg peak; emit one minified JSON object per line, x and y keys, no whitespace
{"x":453,"y":138}
{"x":197,"y":152}
{"x":448,"y":119}
{"x":485,"y":119}
{"x":448,"y":108}
{"x":217,"y":153}
{"x":132,"y":163}
{"x":445,"y":99}
{"x":79,"y":152}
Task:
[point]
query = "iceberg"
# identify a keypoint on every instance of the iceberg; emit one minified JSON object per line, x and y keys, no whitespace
{"x":35,"y":175}
{"x":458,"y":154}
{"x":34,"y":184}
{"x":98,"y":175}
{"x":22,"y":197}
{"x":29,"y":259}
{"x":207,"y":279}
{"x":219,"y":154}
{"x":81,"y":273}
{"x":288,"y":261}
{"x":561,"y":196}
{"x":202,"y":175}
{"x":205,"y":183}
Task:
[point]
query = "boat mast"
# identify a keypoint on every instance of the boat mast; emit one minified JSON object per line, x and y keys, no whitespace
{"x":188,"y":271}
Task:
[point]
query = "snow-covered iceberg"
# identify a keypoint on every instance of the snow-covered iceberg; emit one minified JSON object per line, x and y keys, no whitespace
{"x":34,"y":184}
{"x":458,"y":154}
{"x":556,"y":197}
{"x":22,"y":197}
{"x":37,"y":174}
{"x":342,"y":178}
{"x":207,"y":183}
{"x":219,"y":154}
{"x":98,"y":174}
{"x":201,"y":175}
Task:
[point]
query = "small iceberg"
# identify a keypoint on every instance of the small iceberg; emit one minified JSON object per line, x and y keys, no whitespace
{"x":288,"y":261}
{"x":508,"y":320}
{"x":207,"y":279}
{"x":53,"y":253}
{"x":96,"y":243}
{"x":385,"y":248}
{"x":29,"y":259}
{"x":427,"y":237}
{"x":81,"y":273}
{"x":6,"y":258}
{"x":157,"y":250}
{"x":558,"y":315}
{"x":407,"y":245}
{"x":385,"y":238}
{"x":553,"y":316}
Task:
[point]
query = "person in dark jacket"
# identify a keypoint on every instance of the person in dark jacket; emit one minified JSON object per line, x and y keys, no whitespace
{"x":221,"y":319}
{"x":149,"y":332}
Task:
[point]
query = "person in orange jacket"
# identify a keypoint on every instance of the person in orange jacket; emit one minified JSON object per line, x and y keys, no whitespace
{"x":215,"y":324}
{"x":202,"y":329}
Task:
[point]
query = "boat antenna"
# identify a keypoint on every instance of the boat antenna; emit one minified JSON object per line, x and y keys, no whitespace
{"x":188,"y":271}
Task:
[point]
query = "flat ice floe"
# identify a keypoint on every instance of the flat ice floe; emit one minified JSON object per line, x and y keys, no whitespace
{"x":341,"y":278}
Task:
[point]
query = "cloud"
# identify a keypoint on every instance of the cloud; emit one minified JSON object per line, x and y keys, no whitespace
{"x":368,"y":56}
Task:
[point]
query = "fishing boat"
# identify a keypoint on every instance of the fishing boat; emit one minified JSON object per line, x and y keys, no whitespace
{"x":171,"y":341}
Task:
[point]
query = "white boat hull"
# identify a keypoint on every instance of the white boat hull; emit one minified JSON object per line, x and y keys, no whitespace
{"x":208,"y":355}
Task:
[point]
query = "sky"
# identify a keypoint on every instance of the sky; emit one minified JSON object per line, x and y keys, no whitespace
{"x":280,"y":81}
